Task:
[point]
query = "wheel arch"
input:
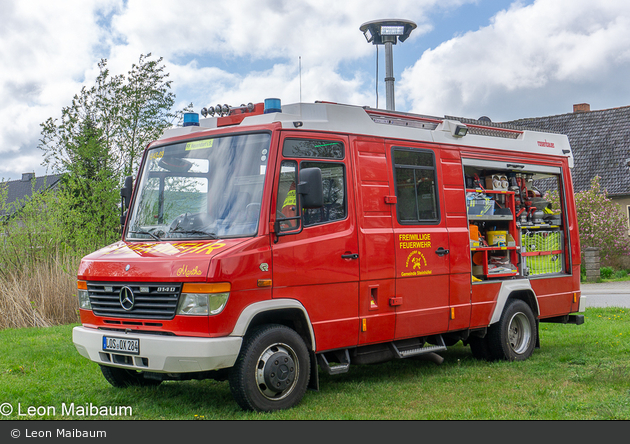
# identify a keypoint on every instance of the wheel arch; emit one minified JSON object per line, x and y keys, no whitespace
{"x":515,"y":290}
{"x":287,"y":312}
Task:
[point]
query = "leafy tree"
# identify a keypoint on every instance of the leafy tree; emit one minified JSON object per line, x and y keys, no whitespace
{"x":145,"y":104}
{"x":33,"y":231}
{"x":90,"y":189}
{"x":129,"y":111}
{"x":99,"y":139}
{"x":3,"y":199}
{"x":99,"y":105}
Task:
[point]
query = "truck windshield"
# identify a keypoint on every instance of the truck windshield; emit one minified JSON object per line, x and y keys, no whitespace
{"x":202,"y":189}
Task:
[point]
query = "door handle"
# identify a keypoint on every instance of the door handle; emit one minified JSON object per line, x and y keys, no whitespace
{"x":441,"y":251}
{"x":350,"y":256}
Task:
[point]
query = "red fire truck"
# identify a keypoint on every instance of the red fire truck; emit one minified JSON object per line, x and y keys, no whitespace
{"x":267,"y":242}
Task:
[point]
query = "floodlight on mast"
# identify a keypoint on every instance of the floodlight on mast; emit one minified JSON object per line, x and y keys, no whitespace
{"x":388,"y":33}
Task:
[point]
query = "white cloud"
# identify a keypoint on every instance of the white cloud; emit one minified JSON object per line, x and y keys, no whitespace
{"x":525,"y":51}
{"x":527,"y":58}
{"x":48,"y":50}
{"x":45,"y":48}
{"x":322,"y":31}
{"x":324,"y":34}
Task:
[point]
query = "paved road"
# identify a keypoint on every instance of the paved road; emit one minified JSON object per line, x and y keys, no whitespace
{"x":608,"y":294}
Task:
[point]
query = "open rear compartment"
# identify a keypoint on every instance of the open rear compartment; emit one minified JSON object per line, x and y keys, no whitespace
{"x":516,"y":222}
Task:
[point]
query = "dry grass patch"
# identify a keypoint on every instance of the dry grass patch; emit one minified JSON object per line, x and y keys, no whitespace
{"x":39,"y":295}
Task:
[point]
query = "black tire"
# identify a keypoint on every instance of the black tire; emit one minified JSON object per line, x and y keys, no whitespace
{"x":514,"y":337}
{"x":121,"y":377}
{"x":272,"y":370}
{"x":480,"y":348}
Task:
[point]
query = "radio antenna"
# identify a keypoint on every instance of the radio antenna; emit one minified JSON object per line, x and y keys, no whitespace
{"x":300,"y":69}
{"x":376,"y":79}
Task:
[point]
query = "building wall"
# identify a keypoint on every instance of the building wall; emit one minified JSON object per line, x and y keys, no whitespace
{"x":624,"y":204}
{"x":624,"y":207}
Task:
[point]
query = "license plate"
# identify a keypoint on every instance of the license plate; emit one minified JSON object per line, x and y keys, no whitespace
{"x":121,"y":345}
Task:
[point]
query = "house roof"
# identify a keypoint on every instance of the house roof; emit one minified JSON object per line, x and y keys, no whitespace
{"x":600,"y":141}
{"x":18,"y":190}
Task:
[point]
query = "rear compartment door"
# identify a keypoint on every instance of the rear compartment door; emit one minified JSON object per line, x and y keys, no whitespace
{"x":421,"y":242}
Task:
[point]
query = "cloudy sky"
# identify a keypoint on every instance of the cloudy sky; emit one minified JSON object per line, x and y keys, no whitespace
{"x":497,"y":58}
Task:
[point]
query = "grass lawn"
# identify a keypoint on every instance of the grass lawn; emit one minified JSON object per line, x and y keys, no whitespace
{"x":579,"y":373}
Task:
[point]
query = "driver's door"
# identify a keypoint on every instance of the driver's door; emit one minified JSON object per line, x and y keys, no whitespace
{"x":317,"y":263}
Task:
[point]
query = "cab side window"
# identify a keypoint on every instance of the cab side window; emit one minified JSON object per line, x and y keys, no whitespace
{"x":301,"y":154}
{"x":334,"y":185}
{"x":416,"y":186}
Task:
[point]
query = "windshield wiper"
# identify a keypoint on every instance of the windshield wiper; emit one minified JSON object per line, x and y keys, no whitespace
{"x":154,"y":236}
{"x":201,"y":232}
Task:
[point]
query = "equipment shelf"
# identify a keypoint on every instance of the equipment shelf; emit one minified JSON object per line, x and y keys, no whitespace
{"x":510,"y":251}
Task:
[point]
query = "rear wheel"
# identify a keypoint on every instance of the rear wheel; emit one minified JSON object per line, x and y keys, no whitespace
{"x":480,"y":348}
{"x":272,"y":370}
{"x":513,"y":338}
{"x":121,"y":377}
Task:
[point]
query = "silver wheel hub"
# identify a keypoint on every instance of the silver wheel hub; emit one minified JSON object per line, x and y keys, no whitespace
{"x":519,"y":333}
{"x":277,"y":371}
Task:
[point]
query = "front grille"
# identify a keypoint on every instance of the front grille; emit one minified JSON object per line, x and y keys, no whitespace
{"x":150,"y":301}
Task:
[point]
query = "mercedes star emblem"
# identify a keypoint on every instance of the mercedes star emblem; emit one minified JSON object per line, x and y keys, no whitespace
{"x":126,"y":298}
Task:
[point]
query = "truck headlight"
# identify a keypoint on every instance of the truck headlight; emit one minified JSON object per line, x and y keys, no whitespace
{"x":203,"y":299}
{"x":84,"y":297}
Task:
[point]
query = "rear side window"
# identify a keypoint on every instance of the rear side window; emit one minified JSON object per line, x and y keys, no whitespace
{"x":416,"y":186}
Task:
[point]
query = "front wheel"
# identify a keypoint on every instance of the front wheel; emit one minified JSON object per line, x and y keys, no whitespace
{"x":513,"y":338}
{"x":272,"y":370}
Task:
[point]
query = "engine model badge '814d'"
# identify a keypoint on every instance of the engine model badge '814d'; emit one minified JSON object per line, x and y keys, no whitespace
{"x":270,"y":241}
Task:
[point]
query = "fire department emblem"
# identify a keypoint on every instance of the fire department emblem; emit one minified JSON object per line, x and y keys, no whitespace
{"x":416,"y":260}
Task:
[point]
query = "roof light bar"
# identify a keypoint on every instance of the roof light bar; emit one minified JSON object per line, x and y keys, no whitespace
{"x":226,"y":110}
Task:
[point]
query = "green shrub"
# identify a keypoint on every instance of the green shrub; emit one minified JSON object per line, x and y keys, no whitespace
{"x":620,"y":274}
{"x":606,"y":272}
{"x":602,"y":223}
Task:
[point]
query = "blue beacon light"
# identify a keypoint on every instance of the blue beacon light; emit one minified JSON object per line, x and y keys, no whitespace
{"x":191,"y":119}
{"x":272,"y":106}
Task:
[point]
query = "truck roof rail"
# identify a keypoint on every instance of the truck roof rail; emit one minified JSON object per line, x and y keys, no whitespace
{"x":431,"y":123}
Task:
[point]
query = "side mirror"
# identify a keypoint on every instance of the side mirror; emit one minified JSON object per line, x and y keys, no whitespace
{"x":311,"y":188}
{"x":125,"y":192}
{"x":311,"y":195}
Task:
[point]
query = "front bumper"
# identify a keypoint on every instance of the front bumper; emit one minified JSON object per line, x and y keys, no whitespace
{"x":161,"y":354}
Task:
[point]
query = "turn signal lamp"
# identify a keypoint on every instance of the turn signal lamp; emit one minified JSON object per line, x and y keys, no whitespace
{"x":84,"y":296}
